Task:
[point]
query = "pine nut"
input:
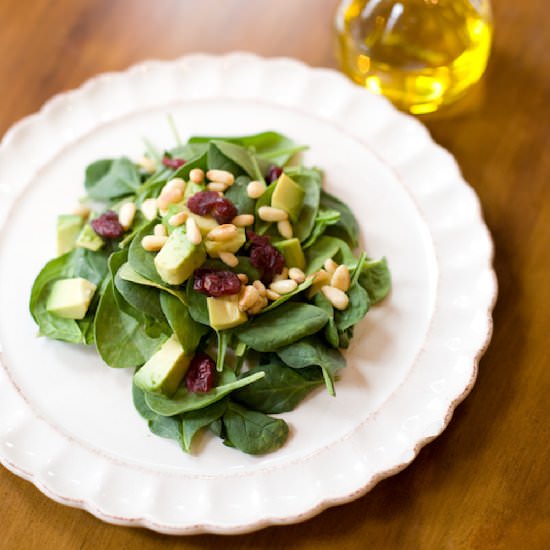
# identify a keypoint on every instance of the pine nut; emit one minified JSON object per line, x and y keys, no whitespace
{"x":255,"y":189}
{"x":82,"y":211}
{"x":272,"y":295}
{"x":159,"y":230}
{"x":320,"y":279}
{"x":285,"y":229}
{"x":126,"y":214}
{"x":196,"y":175}
{"x":243,"y":277}
{"x":260,"y":287}
{"x":258,"y":306}
{"x":330,"y":265}
{"x":281,"y":276}
{"x":149,"y":209}
{"x":243,"y":220}
{"x":228,"y":258}
{"x":270,"y":214}
{"x":338,"y":298}
{"x":153,"y":243}
{"x":147,"y":164}
{"x":169,"y":196}
{"x":221,"y":176}
{"x":224,"y":232}
{"x":283,"y":287}
{"x":178,"y":219}
{"x":175,"y":183}
{"x":216,"y":186}
{"x":249,"y":297}
{"x":193,"y":233}
{"x":341,"y":278}
{"x":296,"y":274}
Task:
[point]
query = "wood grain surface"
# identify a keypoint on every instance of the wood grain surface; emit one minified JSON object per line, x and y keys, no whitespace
{"x":484,"y":483}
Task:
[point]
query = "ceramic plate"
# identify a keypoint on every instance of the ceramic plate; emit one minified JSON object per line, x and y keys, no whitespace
{"x":67,"y":422}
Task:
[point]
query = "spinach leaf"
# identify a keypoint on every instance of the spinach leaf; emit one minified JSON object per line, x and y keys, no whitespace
{"x":268,"y":146}
{"x":187,"y":331}
{"x":184,"y":400}
{"x":310,"y":181}
{"x":323,"y":219}
{"x":218,"y":160}
{"x":167,"y":426}
{"x":260,"y":226}
{"x":111,"y":178}
{"x":253,"y":432}
{"x":141,"y":260}
{"x":330,"y":332}
{"x":143,"y":298}
{"x":281,"y":326}
{"x":238,"y":195}
{"x":281,"y":389}
{"x":124,"y":337}
{"x":375,"y":278}
{"x":194,"y":421}
{"x":357,"y":309}
{"x":312,"y":351}
{"x":347,"y":227}
{"x":326,"y":247}
{"x":200,"y":161}
{"x":196,"y":301}
{"x":138,"y":398}
{"x":126,"y":273}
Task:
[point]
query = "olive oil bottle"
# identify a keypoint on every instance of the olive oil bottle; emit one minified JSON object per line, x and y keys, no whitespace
{"x":420,"y":54}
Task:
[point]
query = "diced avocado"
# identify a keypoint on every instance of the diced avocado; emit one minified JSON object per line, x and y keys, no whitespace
{"x":164,"y":370}
{"x":288,"y":196}
{"x":68,"y":229}
{"x":232,"y":245}
{"x":224,"y":312}
{"x":89,"y":239}
{"x":191,"y":188}
{"x":70,"y":298}
{"x":179,"y":257}
{"x":291,"y":249}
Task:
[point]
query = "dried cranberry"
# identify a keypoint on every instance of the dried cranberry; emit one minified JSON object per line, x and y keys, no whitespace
{"x":209,"y":202}
{"x":265,"y":257}
{"x":273,"y":173}
{"x":170,"y":162}
{"x":201,"y":203}
{"x":224,"y":210}
{"x":216,"y":283}
{"x":107,"y":225}
{"x":201,"y":374}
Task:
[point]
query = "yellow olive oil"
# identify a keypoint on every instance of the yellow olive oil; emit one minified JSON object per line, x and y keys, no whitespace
{"x":420,"y":54}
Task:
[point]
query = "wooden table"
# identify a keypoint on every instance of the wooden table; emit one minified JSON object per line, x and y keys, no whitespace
{"x":484,"y":483}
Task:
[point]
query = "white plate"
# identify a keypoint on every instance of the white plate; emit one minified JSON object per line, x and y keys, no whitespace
{"x":67,"y":422}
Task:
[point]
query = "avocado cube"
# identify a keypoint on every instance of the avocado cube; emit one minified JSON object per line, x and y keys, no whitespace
{"x":288,"y":196}
{"x":232,"y":245}
{"x":291,"y":249}
{"x":68,"y":229}
{"x":224,"y":312}
{"x":178,"y":258}
{"x":164,"y":370}
{"x":70,"y":298}
{"x":89,"y":239}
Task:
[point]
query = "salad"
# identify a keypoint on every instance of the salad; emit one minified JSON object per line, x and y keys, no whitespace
{"x":219,"y":270}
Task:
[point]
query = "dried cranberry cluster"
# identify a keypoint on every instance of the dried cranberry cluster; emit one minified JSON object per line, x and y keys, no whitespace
{"x":107,"y":225}
{"x":216,"y":283}
{"x":201,"y":375}
{"x":209,"y":202}
{"x":273,"y":173}
{"x":264,"y":256}
{"x":172,"y":163}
